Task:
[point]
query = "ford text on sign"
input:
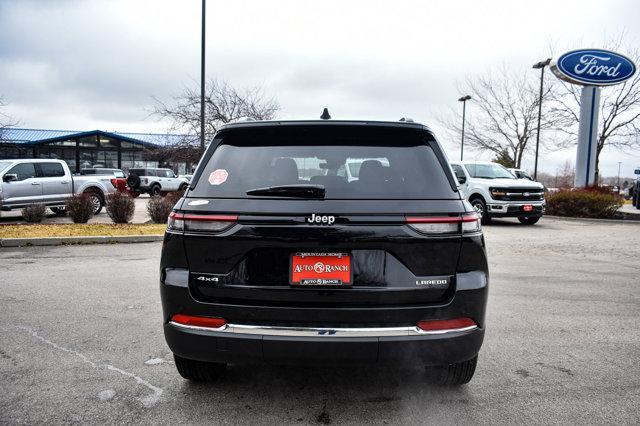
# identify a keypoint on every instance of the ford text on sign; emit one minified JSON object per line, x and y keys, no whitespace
{"x":593,"y":67}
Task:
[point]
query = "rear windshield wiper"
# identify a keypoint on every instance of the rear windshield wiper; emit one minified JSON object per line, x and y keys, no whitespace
{"x":301,"y":191}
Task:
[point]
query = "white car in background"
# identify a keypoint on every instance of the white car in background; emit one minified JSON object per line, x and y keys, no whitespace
{"x":495,"y":192}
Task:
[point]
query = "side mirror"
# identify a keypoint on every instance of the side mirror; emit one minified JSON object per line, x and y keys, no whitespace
{"x":10,"y":177}
{"x":462,"y":179}
{"x":636,"y":171}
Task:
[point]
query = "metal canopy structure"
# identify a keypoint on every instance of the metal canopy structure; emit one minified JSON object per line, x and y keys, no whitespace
{"x":86,"y":149}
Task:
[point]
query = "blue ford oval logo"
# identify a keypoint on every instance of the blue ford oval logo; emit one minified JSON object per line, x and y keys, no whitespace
{"x":595,"y":67}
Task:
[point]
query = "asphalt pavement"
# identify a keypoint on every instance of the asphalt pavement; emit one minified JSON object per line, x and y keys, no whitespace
{"x":81,"y":342}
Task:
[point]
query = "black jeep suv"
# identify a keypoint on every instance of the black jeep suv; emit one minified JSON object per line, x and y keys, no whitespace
{"x":324,"y":242}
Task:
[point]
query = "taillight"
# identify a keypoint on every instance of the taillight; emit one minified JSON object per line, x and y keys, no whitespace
{"x":196,"y":321}
{"x":200,"y":222}
{"x":466,"y":223}
{"x":449,"y":324}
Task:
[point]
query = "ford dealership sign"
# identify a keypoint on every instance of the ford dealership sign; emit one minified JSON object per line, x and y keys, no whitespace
{"x":593,"y":67}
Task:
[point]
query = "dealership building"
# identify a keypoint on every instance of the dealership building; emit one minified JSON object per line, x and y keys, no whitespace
{"x":95,"y":148}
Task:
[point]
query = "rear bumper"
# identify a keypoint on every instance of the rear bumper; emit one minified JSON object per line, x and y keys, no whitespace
{"x":324,"y":347}
{"x":368,"y":334}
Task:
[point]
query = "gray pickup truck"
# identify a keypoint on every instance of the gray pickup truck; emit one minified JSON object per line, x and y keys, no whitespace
{"x":48,"y":182}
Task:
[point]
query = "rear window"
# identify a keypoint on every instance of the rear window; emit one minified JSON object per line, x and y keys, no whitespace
{"x":364,"y":164}
{"x":139,"y":172}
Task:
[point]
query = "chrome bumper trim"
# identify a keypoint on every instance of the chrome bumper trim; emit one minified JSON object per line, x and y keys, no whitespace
{"x":323,"y":332}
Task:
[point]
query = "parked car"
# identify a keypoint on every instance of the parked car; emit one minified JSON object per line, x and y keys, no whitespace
{"x":521,"y":174}
{"x":494,"y":192}
{"x":635,"y":190}
{"x":34,"y":181}
{"x":154,"y":181}
{"x":272,"y":256}
{"x":119,"y":179}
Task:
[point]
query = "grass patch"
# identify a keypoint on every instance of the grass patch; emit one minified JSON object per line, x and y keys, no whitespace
{"x":80,"y":230}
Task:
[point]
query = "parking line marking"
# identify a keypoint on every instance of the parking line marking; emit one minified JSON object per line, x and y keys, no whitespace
{"x":147,"y":401}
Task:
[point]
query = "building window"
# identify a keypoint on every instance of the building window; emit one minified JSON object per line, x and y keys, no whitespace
{"x":88,"y":142}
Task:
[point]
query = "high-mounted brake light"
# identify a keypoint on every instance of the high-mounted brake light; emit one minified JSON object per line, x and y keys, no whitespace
{"x":449,"y":324}
{"x":200,"y":222}
{"x":197,"y":321}
{"x":466,"y":223}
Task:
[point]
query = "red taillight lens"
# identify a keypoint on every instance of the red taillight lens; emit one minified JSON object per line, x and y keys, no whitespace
{"x":195,"y":321}
{"x":445,"y":224}
{"x":200,"y":222}
{"x":450,"y":324}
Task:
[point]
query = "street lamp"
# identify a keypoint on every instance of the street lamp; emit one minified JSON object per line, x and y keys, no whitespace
{"x":202,"y":138}
{"x":540,"y":65}
{"x":619,"y":164}
{"x":464,"y":100}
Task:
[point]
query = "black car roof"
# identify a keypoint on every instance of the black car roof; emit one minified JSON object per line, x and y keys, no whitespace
{"x":374,"y":123}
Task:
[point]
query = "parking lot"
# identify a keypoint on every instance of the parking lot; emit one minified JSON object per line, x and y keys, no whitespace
{"x":81,"y":341}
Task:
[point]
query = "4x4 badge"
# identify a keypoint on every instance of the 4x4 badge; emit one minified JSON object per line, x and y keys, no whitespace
{"x":329,"y":220}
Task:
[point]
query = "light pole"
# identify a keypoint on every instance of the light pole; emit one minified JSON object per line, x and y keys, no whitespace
{"x":202,"y":138}
{"x":540,"y":65}
{"x":619,"y":164}
{"x":464,"y":100}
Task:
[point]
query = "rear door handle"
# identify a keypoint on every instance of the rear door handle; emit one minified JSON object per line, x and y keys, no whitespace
{"x":35,"y":183}
{"x":64,"y":182}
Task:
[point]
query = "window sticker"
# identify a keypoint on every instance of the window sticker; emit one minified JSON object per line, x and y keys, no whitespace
{"x":218,"y":177}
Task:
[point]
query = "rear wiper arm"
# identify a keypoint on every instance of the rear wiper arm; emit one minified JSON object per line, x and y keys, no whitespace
{"x":301,"y":191}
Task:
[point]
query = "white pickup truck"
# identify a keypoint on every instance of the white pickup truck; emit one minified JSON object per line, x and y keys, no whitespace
{"x":48,"y":182}
{"x":495,"y":192}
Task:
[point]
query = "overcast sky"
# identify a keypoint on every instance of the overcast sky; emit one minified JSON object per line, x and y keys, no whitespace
{"x":95,"y":64}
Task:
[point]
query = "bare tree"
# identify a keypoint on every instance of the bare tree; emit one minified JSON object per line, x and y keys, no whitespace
{"x":223,"y":104}
{"x":6,"y":121}
{"x":619,"y":125}
{"x":505,"y":117}
{"x":565,"y":175}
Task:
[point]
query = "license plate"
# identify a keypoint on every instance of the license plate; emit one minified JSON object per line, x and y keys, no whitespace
{"x":527,"y":208}
{"x":321,"y":269}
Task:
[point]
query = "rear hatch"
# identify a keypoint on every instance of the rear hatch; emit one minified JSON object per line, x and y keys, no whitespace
{"x":322,"y":216}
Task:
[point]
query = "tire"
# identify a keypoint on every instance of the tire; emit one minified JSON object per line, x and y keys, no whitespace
{"x":481,"y":208}
{"x":199,"y":371}
{"x":133,"y":181}
{"x":154,"y":191}
{"x":59,"y":211}
{"x":454,"y":374}
{"x":529,"y":220}
{"x":97,"y":200}
{"x":183,"y":187}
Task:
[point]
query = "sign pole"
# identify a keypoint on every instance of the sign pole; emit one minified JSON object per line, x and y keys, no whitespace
{"x":587,"y":137}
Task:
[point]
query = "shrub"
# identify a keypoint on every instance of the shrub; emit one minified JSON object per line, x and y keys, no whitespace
{"x":34,"y":213}
{"x":159,"y":209}
{"x":173,"y":197}
{"x":120,"y":207}
{"x":80,"y":208}
{"x":591,"y":202}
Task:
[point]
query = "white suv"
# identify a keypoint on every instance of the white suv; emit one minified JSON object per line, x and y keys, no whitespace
{"x":494,"y":192}
{"x":155,"y":181}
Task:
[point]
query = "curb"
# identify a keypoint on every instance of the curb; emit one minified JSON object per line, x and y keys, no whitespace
{"x":59,"y":241}
{"x":587,"y":219}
